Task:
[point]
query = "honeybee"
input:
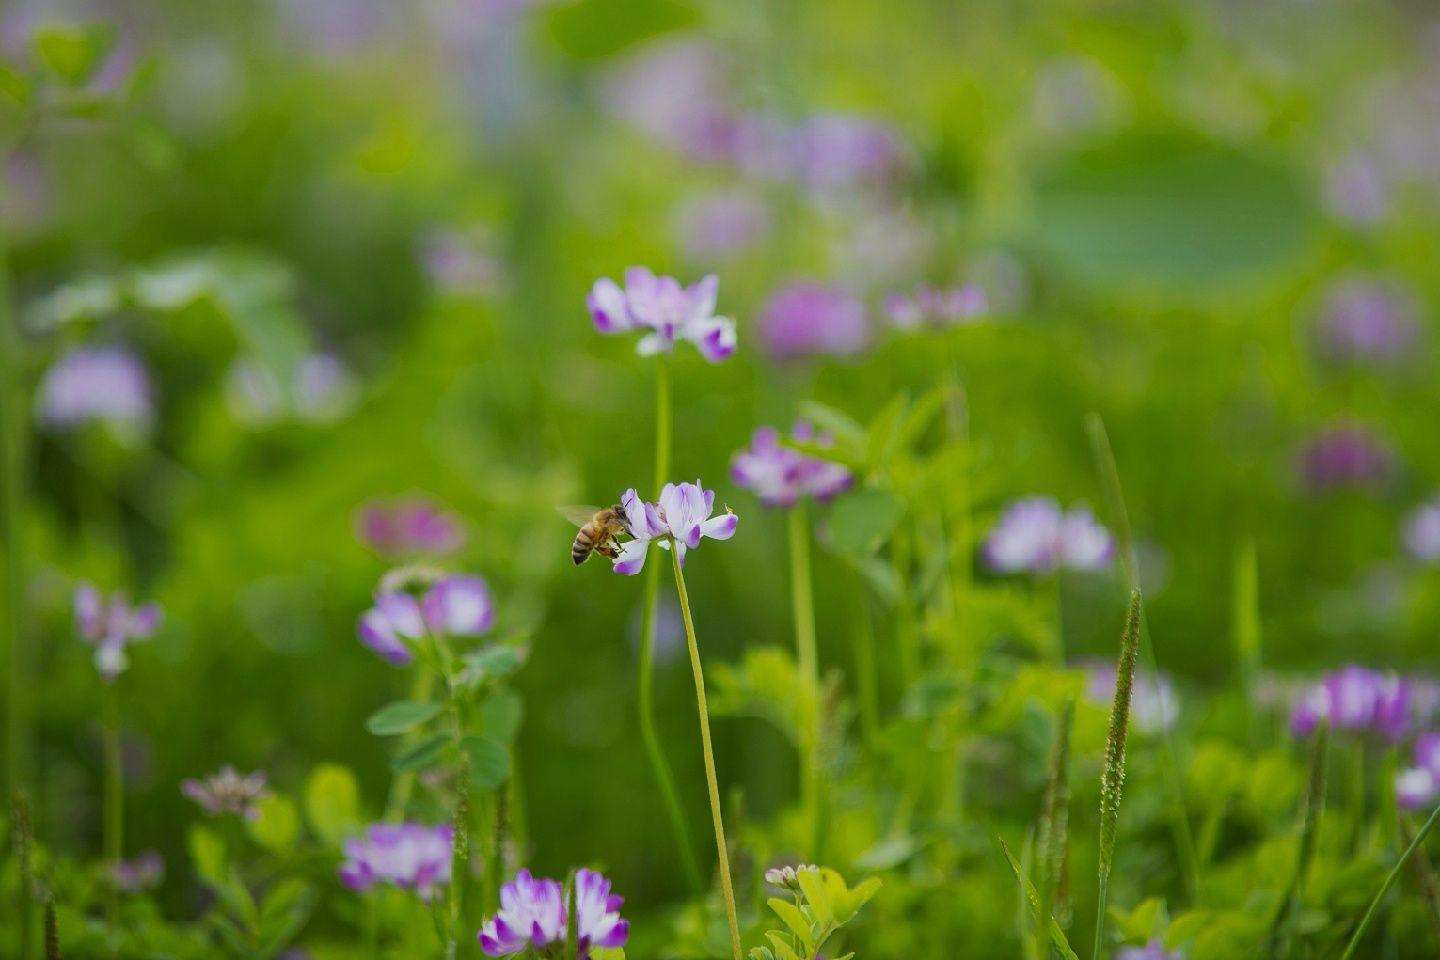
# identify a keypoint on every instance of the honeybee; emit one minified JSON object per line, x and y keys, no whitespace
{"x":599,"y":526}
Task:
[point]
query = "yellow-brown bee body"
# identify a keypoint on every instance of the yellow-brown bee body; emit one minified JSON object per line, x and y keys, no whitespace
{"x":597,"y":535}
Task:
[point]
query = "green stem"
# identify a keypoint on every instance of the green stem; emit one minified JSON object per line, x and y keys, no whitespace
{"x":712,"y":782}
{"x":867,"y":687}
{"x":958,"y":544}
{"x":13,"y":440}
{"x":807,"y":662}
{"x":403,"y":783}
{"x":460,"y":820}
{"x":114,"y":795}
{"x":1389,"y":882}
{"x":645,"y":698}
{"x":1104,"y":890}
{"x":1057,"y":592}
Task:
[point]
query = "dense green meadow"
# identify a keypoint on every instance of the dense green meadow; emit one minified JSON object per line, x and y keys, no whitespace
{"x":1043,"y":406}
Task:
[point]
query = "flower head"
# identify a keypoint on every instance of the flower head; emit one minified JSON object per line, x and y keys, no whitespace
{"x":930,"y":307}
{"x":1364,"y":318}
{"x":810,"y":319}
{"x":780,"y":475}
{"x":678,"y":520}
{"x":110,"y":624}
{"x":1356,"y":699}
{"x":1345,"y":455}
{"x":534,"y":913}
{"x":1154,"y":950}
{"x":1034,"y":535}
{"x":142,"y":872}
{"x":227,"y":791}
{"x":108,"y":385}
{"x":411,"y":856}
{"x":453,"y":605}
{"x":409,"y":527}
{"x":664,"y":312}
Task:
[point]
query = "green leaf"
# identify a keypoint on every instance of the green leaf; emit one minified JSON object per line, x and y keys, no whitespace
{"x":400,"y":717}
{"x":332,"y":802}
{"x":1057,"y":936}
{"x":276,"y":823}
{"x":862,"y":521}
{"x":207,"y":851}
{"x":420,"y":754}
{"x":880,"y":441}
{"x":846,"y":431}
{"x":593,"y":29}
{"x":783,"y":950}
{"x":489,"y":761}
{"x":793,"y":918}
{"x":501,"y":715}
{"x":72,"y":52}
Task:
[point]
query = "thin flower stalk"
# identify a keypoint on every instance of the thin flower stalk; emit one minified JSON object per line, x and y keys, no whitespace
{"x":1112,"y":775}
{"x":1390,"y":879}
{"x":807,"y":662}
{"x":403,"y":783}
{"x":1120,"y":518}
{"x":1424,"y":874}
{"x":1309,"y":832}
{"x":645,"y":684}
{"x":1053,"y":834}
{"x":21,"y":839}
{"x":13,"y":442}
{"x":1245,"y":627}
{"x":113,"y":798}
{"x":711,"y":781}
{"x":957,"y":504}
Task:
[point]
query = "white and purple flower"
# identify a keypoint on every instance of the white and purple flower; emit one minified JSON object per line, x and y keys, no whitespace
{"x":934,"y":308}
{"x":1358,"y":700}
{"x":143,"y":872}
{"x":780,"y":475}
{"x":680,"y":518}
{"x":1034,"y":535}
{"x":107,"y":385}
{"x":454,"y":605}
{"x":411,"y":856}
{"x":110,"y":624}
{"x":227,"y":791}
{"x":534,"y":915}
{"x":663,"y":311}
{"x":1154,"y":950}
{"x":413,"y":526}
{"x":1419,"y":785}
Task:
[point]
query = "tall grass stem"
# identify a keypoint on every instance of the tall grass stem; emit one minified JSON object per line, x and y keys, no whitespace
{"x":1112,"y":775}
{"x":1390,"y":879}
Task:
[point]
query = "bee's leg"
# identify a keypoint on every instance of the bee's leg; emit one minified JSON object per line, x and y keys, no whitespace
{"x":610,"y":550}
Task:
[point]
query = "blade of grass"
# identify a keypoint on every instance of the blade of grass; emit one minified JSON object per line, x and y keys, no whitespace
{"x":1112,"y":776}
{"x":1032,"y":896}
{"x":1245,"y":627}
{"x":1309,"y":831}
{"x":1389,"y":882}
{"x":1054,"y":829}
{"x":1425,"y":877}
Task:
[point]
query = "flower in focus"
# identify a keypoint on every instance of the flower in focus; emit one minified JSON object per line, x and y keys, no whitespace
{"x":1363,"y":318}
{"x":407,"y":527}
{"x":411,"y":856}
{"x":1356,"y":699}
{"x":1345,"y":455}
{"x":930,"y":307}
{"x":142,"y":872}
{"x":534,"y":914}
{"x":680,"y":518}
{"x":1034,"y":535}
{"x":453,"y":605}
{"x":1418,"y":786}
{"x":1154,"y":707}
{"x":664,"y":311}
{"x":110,"y":625}
{"x":808,"y":319}
{"x":107,"y":385}
{"x":1422,"y":531}
{"x":226,"y":791}
{"x":780,"y":476}
{"x":1154,"y":950}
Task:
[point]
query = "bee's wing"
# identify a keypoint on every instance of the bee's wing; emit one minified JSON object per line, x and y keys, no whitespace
{"x":579,"y":515}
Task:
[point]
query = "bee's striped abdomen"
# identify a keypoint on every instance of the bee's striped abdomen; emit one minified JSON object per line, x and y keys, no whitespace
{"x":584,"y":543}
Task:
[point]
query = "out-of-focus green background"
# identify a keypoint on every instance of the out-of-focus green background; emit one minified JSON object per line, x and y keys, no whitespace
{"x":1156,"y":195}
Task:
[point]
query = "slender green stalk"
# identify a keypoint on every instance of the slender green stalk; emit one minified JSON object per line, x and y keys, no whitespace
{"x":1245,"y":628}
{"x":22,"y":836}
{"x":1057,"y":598}
{"x":14,"y":436}
{"x":114,"y":795}
{"x":1390,"y":879}
{"x":572,"y":927}
{"x":1115,"y":498}
{"x":1112,"y":776}
{"x":1424,"y":874}
{"x":867,"y":687}
{"x":1053,"y":835}
{"x":1309,"y":833}
{"x":957,"y":504}
{"x":52,"y":931}
{"x":712,"y":782}
{"x":807,"y":662}
{"x":460,"y":820}
{"x":645,"y":692}
{"x":403,"y":783}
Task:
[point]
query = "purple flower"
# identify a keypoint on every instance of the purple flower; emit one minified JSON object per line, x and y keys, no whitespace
{"x":807,"y":319}
{"x":1154,"y":707}
{"x":680,"y":518}
{"x":835,"y":152}
{"x":1356,"y":189}
{"x":1154,"y":950}
{"x":454,"y":605}
{"x":226,"y":791}
{"x":1363,"y":318}
{"x":1356,"y":699}
{"x":1418,"y":786}
{"x":935,"y":308}
{"x":664,"y":311}
{"x":1422,"y":531}
{"x":1345,"y":455}
{"x":409,"y":527}
{"x":780,"y":476}
{"x":462,"y":261}
{"x":1034,"y":535}
{"x":143,"y":872}
{"x":721,"y":223}
{"x":411,"y":856}
{"x":110,"y":625}
{"x":534,"y":914}
{"x":108,"y":385}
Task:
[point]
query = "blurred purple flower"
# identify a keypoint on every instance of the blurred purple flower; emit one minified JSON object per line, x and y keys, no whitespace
{"x":110,"y":624}
{"x":409,"y":527}
{"x":780,"y":476}
{"x":322,"y":390}
{"x":534,"y":914}
{"x":461,"y":262}
{"x":1421,"y":532}
{"x":1034,"y":535}
{"x":226,"y":791}
{"x":680,"y":518}
{"x":1154,"y":950}
{"x":1345,"y":455}
{"x":454,"y":605}
{"x":411,"y":856}
{"x":142,"y":872}
{"x":672,"y":91}
{"x":809,"y":319}
{"x":1356,"y":699}
{"x":931,"y":307}
{"x":721,"y":223}
{"x":1366,"y":319}
{"x":105,"y":384}
{"x":1154,"y":706}
{"x":835,"y":152}
{"x":325,"y":389}
{"x":664,"y":311}
{"x":1356,"y":190}
{"x":1419,"y":786}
